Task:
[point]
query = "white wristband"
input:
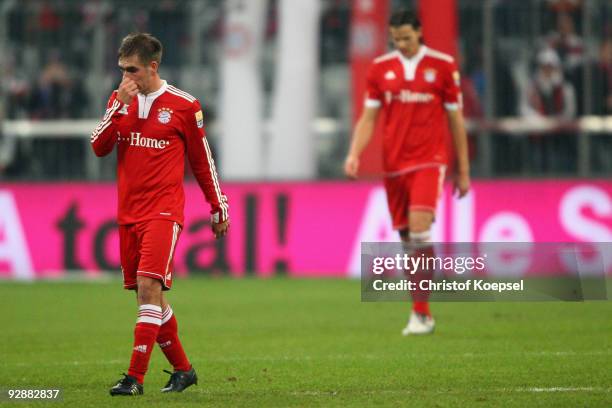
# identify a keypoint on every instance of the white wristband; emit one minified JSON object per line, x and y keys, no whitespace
{"x":214,"y":218}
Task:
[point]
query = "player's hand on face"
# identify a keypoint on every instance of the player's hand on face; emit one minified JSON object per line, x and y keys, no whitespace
{"x":351,"y":166}
{"x":127,"y":90}
{"x":461,"y":185}
{"x":220,"y":228}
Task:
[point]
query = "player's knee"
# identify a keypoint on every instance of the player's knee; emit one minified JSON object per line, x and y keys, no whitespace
{"x":149,"y":291}
{"x":420,"y":223}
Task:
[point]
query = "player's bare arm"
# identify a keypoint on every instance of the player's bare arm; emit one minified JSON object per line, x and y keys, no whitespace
{"x":127,"y":90}
{"x":462,"y":179}
{"x":362,"y":135}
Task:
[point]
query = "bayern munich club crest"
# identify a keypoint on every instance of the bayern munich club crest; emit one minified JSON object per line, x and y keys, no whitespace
{"x":164,"y":115}
{"x":430,"y":75}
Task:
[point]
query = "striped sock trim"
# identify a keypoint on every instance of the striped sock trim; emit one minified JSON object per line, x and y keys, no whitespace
{"x":166,"y":315}
{"x":420,"y":237}
{"x":149,"y":314}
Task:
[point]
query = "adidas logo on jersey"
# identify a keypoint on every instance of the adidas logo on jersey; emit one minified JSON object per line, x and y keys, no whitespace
{"x":390,"y":75}
{"x":142,"y":348}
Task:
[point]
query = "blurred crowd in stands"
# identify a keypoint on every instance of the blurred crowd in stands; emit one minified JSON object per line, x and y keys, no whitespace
{"x":544,"y":65}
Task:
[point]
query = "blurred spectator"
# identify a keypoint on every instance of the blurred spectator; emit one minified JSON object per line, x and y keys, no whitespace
{"x":602,"y":105}
{"x":167,"y":21}
{"x":7,"y":145}
{"x":49,"y":22}
{"x":567,"y":43}
{"x":471,"y":100}
{"x":602,"y":77}
{"x":570,"y":48}
{"x":472,"y":107}
{"x":57,"y":95}
{"x":549,"y":95}
{"x":335,"y":23}
{"x":48,"y":19}
{"x":564,"y":5}
{"x":16,"y":88}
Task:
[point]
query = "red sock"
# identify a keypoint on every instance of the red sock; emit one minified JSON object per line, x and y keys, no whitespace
{"x":420,"y":298}
{"x":421,"y":307}
{"x":168,"y":341}
{"x":147,"y":327}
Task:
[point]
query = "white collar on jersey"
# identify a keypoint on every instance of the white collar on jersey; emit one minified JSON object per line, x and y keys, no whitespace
{"x":410,"y":64}
{"x":145,"y":101}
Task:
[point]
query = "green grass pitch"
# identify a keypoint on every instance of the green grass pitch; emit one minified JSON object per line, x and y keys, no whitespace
{"x":303,"y":343}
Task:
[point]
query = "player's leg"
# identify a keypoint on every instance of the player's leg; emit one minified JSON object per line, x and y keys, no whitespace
{"x":168,"y":339}
{"x":419,"y":222}
{"x":398,"y":198}
{"x":147,"y":325}
{"x":425,"y":190}
{"x":420,"y":241}
{"x":183,"y":375}
{"x":130,"y":257}
{"x":159,"y":245}
{"x":157,"y":239}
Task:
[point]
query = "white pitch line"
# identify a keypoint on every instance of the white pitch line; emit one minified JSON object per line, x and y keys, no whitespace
{"x":64,"y":363}
{"x":545,"y":353}
{"x":368,"y":356}
{"x":567,"y":389}
{"x":458,"y":391}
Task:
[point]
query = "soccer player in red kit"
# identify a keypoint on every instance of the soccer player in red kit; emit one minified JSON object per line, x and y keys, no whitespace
{"x":153,"y":124}
{"x":418,"y":90}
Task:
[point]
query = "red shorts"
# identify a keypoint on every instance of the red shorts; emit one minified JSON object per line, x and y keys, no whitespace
{"x":147,"y":249}
{"x":416,"y":190}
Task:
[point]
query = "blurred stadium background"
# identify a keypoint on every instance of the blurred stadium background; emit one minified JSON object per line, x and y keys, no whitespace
{"x":280,"y":82}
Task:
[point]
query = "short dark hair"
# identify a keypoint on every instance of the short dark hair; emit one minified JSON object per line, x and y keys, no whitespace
{"x":147,"y":47}
{"x":403,"y":17}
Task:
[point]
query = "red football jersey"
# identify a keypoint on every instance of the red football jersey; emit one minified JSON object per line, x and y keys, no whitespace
{"x":413,"y":94}
{"x":152,"y":135}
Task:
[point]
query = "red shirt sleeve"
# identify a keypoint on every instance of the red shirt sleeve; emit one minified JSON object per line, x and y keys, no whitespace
{"x":202,"y":162}
{"x":104,"y":136}
{"x":451,"y":87}
{"x":374,"y":95}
